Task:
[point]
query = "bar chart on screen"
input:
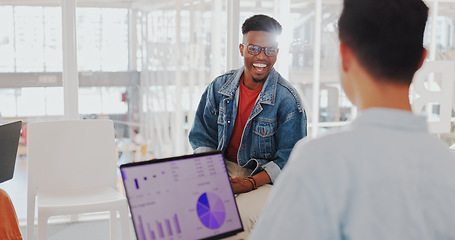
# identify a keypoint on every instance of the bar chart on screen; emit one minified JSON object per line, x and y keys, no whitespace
{"x":168,"y":228}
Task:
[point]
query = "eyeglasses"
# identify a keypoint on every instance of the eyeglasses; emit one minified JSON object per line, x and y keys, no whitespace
{"x":256,"y":50}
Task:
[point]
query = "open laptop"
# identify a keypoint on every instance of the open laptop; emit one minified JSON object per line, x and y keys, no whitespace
{"x":9,"y":141}
{"x":185,"y":197}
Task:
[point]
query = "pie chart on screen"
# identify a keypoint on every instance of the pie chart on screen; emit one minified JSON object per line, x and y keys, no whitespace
{"x":210,"y":210}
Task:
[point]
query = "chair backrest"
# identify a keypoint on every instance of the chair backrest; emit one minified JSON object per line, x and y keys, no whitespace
{"x":71,"y":154}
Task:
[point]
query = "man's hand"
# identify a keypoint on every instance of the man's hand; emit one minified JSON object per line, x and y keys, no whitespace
{"x":240,"y":185}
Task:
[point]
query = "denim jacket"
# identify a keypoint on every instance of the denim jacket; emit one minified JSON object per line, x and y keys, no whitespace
{"x":276,"y":123}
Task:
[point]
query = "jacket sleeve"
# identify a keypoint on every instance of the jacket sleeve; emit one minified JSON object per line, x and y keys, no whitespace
{"x":287,"y":135}
{"x":203,"y":136}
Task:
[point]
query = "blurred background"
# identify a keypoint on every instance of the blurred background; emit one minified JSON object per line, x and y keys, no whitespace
{"x":145,"y":63}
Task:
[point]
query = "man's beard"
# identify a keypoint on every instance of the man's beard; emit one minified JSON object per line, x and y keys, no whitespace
{"x":259,"y":80}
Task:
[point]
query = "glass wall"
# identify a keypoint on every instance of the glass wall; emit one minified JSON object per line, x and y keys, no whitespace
{"x":31,"y":60}
{"x":180,"y":49}
{"x":30,"y":46}
{"x":314,"y":64}
{"x":145,"y":64}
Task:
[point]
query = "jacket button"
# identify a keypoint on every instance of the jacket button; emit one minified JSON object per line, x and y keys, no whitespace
{"x":228,"y":101}
{"x":229,"y":121}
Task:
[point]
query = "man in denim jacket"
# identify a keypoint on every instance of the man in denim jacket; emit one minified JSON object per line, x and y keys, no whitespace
{"x":254,"y":116}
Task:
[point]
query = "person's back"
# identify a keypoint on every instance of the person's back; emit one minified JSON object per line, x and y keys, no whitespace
{"x":379,"y":178}
{"x":403,"y":179}
{"x":383,"y":176}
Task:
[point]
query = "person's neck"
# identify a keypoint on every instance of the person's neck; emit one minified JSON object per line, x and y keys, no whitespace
{"x":381,"y":93}
{"x":249,"y":83}
{"x":397,"y":98}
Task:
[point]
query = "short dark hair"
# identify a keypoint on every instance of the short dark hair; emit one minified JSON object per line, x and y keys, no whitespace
{"x":385,"y":35}
{"x":261,"y":22}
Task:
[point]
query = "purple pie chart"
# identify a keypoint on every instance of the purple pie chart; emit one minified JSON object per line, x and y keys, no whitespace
{"x":210,"y":210}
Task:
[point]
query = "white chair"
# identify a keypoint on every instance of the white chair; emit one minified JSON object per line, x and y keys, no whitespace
{"x":72,"y":169}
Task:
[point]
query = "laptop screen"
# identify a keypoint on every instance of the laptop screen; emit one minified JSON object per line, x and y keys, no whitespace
{"x":9,"y":141}
{"x":186,"y":197}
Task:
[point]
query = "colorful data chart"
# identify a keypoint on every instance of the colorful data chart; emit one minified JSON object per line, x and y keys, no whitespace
{"x":211,"y":211}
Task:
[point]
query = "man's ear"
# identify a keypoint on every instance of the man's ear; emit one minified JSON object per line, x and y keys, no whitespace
{"x":346,"y":55}
{"x":424,"y":55}
{"x":241,"y":46}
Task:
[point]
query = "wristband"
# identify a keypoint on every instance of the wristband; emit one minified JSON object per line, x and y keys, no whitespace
{"x":251,"y":179}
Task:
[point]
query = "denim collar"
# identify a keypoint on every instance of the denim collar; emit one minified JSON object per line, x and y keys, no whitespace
{"x":268,"y":93}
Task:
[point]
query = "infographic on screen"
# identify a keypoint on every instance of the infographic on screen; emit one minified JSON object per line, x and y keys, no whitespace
{"x":181,"y":199}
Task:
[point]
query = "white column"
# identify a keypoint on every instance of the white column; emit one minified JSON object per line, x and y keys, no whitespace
{"x":233,"y":33}
{"x":69,"y":74}
{"x":216,"y":39}
{"x":316,"y":67}
{"x":178,"y":129}
{"x":432,"y":51}
{"x":282,"y":12}
{"x":434,"y":16}
{"x":132,"y":32}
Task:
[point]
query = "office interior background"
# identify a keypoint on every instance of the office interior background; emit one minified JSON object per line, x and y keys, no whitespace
{"x":145,"y":63}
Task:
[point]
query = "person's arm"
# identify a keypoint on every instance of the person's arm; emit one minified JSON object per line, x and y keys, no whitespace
{"x":241,"y":185}
{"x":287,"y":135}
{"x":9,"y":225}
{"x":203,"y":136}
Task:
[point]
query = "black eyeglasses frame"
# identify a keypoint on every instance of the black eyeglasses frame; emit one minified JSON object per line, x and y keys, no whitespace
{"x":265,"y":49}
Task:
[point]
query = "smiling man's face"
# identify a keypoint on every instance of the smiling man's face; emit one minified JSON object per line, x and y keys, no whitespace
{"x":258,"y":67}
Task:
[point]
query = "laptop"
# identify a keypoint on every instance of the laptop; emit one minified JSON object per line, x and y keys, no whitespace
{"x":9,"y":141}
{"x":184,"y":197}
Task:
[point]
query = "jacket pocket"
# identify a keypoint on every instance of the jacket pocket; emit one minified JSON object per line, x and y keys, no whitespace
{"x":263,"y":145}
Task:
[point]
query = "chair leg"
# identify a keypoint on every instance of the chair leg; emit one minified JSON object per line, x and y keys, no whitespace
{"x":125,"y":222}
{"x":42,"y":226}
{"x":30,"y":215}
{"x":113,"y":222}
{"x":30,"y":224}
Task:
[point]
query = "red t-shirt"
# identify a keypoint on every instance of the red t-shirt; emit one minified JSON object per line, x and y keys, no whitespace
{"x":247,"y":99}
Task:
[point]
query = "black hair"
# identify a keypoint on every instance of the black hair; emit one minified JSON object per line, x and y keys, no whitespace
{"x":261,"y":22}
{"x":385,"y":35}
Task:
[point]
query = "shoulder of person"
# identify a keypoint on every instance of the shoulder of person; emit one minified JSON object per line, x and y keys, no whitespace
{"x":334,"y":143}
{"x":288,"y":94}
{"x":287,"y":86}
{"x":225,"y":76}
{"x":222,"y":80}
